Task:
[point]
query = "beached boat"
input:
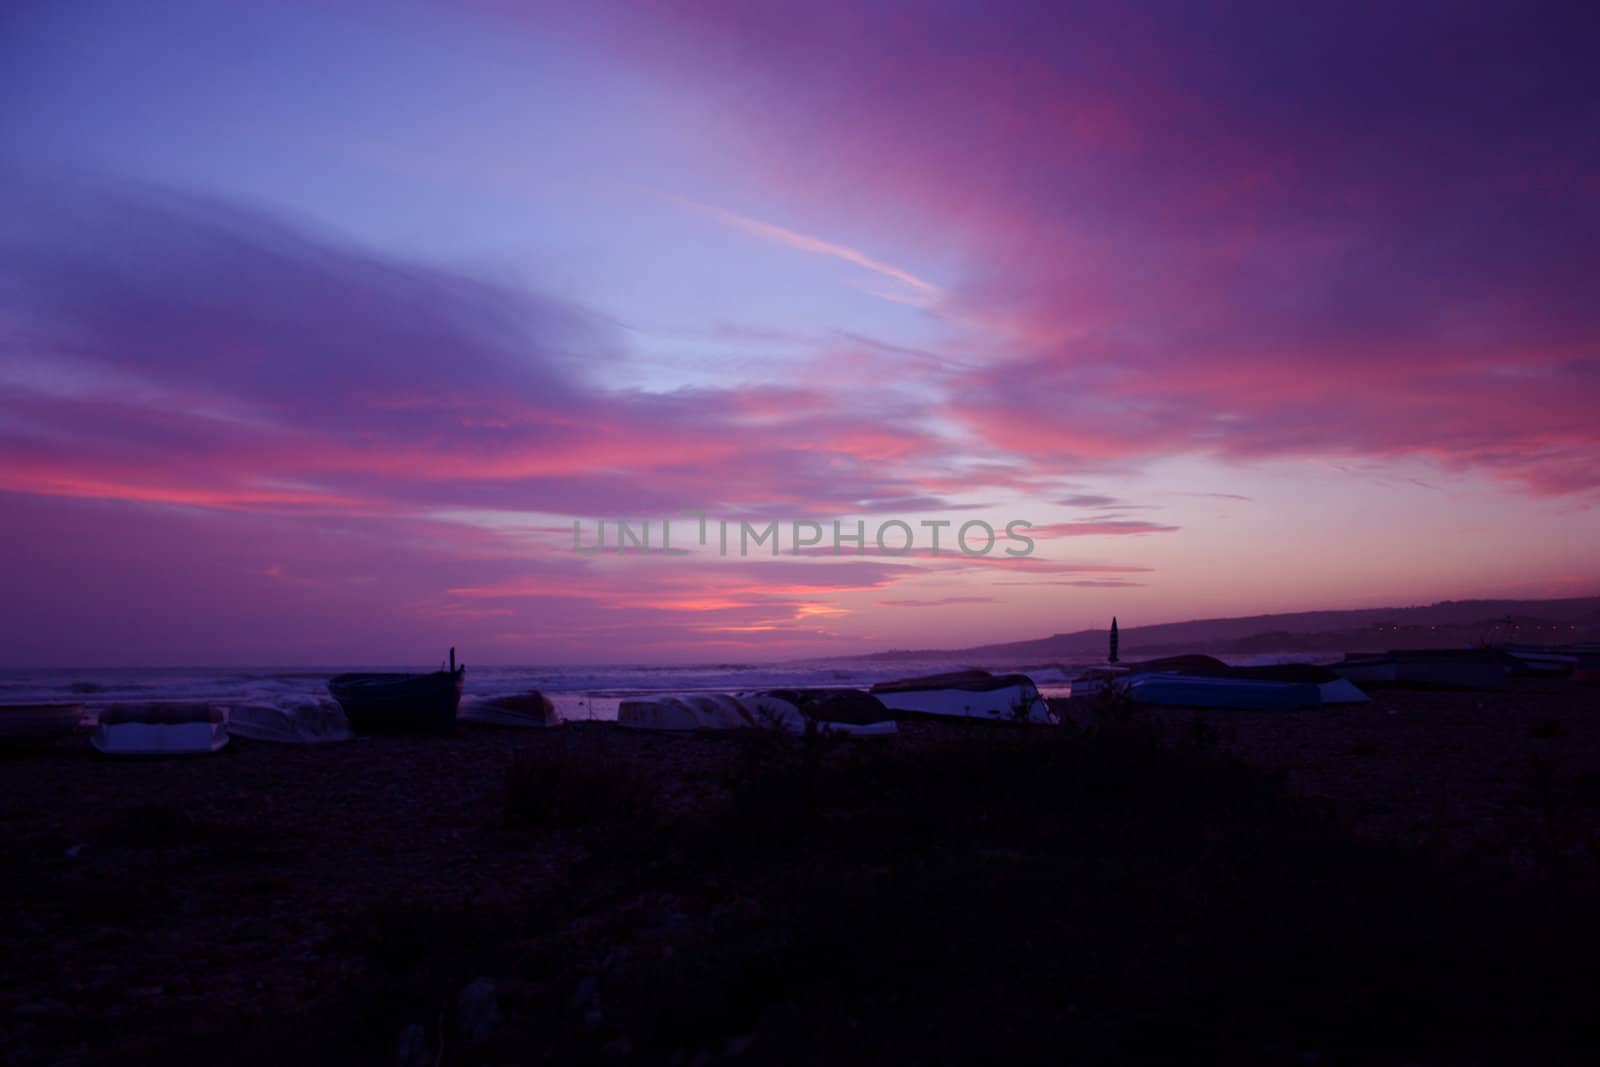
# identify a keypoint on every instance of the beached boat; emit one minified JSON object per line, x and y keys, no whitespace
{"x":1333,"y":688}
{"x":836,"y":706}
{"x":523,"y":711}
{"x":33,"y":725}
{"x":161,"y":729}
{"x":1429,"y":668}
{"x":1207,"y":691}
{"x":1540,"y":662}
{"x":719,"y":712}
{"x":399,"y":703}
{"x":971,"y":694}
{"x":302,"y":722}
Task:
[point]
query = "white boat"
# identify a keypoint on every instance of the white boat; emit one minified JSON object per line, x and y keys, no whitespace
{"x":35,"y":725}
{"x":970,"y":695}
{"x":1205,"y":691}
{"x":306,"y":722}
{"x":161,"y":729}
{"x":525,"y":711}
{"x":714,"y":712}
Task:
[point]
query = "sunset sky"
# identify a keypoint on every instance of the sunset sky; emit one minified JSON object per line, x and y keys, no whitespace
{"x":321,"y":324}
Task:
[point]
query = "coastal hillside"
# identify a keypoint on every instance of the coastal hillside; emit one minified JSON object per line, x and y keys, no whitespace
{"x":1447,"y":624}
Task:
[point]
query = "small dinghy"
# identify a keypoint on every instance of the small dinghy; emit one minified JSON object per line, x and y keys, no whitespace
{"x":400,"y":703}
{"x":526,"y":711}
{"x":36,"y":725}
{"x":719,"y":712}
{"x":308,"y":722}
{"x":1206,"y":691}
{"x":161,"y":729}
{"x":970,"y":694}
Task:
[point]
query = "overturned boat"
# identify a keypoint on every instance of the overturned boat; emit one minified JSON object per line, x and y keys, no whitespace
{"x":1428,"y":668}
{"x":1207,"y":691}
{"x":161,"y":729}
{"x":400,"y":703}
{"x":302,"y":722}
{"x":1207,"y":674}
{"x":524,"y":711}
{"x":35,"y":725}
{"x":715,"y":712}
{"x":836,"y":706}
{"x":1332,"y":688}
{"x":969,"y":694}
{"x":1541,"y":662}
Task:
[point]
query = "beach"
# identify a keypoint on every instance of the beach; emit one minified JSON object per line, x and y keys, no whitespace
{"x":631,"y":896}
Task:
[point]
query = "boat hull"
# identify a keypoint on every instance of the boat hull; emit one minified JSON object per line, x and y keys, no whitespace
{"x":704,"y":713}
{"x":529,"y":711}
{"x":969,"y":695}
{"x":399,"y":703}
{"x":312,"y":722}
{"x":33,"y":725}
{"x":1429,"y":669}
{"x":159,"y":730}
{"x":1205,"y":691}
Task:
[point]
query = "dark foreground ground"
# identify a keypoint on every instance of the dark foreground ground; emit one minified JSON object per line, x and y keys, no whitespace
{"x":1408,"y":882}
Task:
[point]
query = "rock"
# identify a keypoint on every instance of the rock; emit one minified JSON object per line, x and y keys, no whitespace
{"x":411,"y":1050}
{"x":477,"y":1013}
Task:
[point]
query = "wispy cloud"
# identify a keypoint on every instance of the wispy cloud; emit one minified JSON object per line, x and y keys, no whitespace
{"x":923,"y":291}
{"x":1100,"y":528}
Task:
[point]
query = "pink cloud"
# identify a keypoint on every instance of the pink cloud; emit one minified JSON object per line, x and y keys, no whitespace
{"x":1100,"y":528}
{"x":1283,"y":234}
{"x":251,"y":365}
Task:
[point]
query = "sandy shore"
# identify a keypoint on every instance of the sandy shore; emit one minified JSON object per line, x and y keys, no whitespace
{"x":180,"y":904}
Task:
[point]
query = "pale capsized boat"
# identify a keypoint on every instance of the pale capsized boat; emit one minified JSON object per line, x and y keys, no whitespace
{"x":972,"y":695}
{"x":719,"y":712}
{"x":523,"y":711}
{"x":400,"y":703}
{"x":301,"y":722}
{"x":161,"y":729}
{"x":35,"y":725}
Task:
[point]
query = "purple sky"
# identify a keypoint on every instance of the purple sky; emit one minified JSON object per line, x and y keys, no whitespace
{"x":321,"y":324}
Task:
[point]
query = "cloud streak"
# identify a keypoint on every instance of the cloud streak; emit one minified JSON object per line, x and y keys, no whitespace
{"x":921,"y":290}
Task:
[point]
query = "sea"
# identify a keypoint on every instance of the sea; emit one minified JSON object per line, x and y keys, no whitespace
{"x":578,"y":692}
